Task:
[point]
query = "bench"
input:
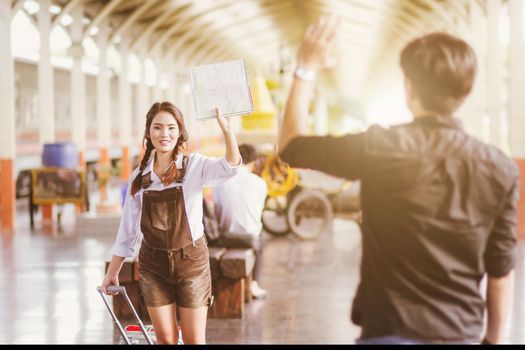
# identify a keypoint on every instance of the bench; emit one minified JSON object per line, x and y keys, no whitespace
{"x":231,"y":271}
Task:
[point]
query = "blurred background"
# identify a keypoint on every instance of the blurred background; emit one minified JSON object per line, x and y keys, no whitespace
{"x":78,"y":76}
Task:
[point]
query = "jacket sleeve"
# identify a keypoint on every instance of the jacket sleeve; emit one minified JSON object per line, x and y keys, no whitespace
{"x":337,"y":156}
{"x":500,"y":253}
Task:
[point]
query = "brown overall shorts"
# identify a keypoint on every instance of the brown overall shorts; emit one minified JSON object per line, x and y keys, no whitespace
{"x":172,"y":268}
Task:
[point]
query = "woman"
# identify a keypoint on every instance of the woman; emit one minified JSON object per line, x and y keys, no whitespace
{"x":165,"y":198}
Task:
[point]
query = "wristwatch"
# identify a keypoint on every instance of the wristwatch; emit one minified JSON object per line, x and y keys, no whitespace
{"x":304,"y":74}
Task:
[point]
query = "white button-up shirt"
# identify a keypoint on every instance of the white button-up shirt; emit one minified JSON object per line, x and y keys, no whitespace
{"x":201,"y":171}
{"x":239,"y":203}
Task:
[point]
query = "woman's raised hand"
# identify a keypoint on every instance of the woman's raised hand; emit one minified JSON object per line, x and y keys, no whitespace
{"x":224,"y":123}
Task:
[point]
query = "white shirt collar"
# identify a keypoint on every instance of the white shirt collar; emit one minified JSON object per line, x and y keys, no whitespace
{"x":149,"y":166}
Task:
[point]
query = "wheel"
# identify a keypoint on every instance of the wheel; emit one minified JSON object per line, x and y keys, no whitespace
{"x":274,"y":216}
{"x":309,"y":214}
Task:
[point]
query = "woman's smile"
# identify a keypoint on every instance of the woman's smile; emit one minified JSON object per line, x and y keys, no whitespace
{"x":164,"y":132}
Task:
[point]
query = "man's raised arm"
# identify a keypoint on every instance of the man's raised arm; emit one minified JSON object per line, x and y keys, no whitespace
{"x":315,"y":54}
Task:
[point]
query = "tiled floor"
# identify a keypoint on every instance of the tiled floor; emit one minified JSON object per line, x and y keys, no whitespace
{"x":48,"y":280}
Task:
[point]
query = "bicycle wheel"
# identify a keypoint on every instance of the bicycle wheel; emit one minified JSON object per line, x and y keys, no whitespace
{"x":274,"y":216}
{"x":309,"y":214}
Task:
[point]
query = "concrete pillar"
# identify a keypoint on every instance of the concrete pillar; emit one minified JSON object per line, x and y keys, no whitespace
{"x":103,"y":107}
{"x":197,"y":130}
{"x":7,"y":120}
{"x":125,"y":117}
{"x":517,"y":101}
{"x":494,"y":79}
{"x":46,"y":89}
{"x":168,"y":71}
{"x":156,"y":94}
{"x":171,"y":91}
{"x":165,"y":91}
{"x":142,"y":102}
{"x":78,"y":86}
{"x":180,"y":79}
{"x":475,"y":105}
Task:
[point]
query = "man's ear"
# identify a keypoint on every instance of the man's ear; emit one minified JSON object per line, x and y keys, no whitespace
{"x":408,"y":88}
{"x":410,"y":94}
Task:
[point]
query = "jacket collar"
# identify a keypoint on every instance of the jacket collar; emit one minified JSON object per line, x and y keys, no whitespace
{"x":444,"y":121}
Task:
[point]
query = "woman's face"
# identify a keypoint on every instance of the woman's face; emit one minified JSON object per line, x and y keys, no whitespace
{"x":164,"y":132}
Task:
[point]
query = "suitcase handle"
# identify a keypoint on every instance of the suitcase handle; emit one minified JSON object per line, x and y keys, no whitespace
{"x":122,"y":290}
{"x":113,"y":289}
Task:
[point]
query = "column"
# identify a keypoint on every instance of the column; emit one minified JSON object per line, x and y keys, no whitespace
{"x":476,"y":102}
{"x":103,"y":109}
{"x":143,"y":104}
{"x":171,"y":91}
{"x":195,"y":129}
{"x":494,"y":71}
{"x":517,"y":102}
{"x":125,"y":118}
{"x":156,"y":88}
{"x":78,"y":86}
{"x":7,"y":120}
{"x":46,"y":87}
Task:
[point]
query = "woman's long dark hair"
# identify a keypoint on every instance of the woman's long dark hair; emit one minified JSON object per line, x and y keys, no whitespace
{"x":171,"y":173}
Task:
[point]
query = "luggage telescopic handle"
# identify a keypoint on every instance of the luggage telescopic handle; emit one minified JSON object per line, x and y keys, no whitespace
{"x":122,"y":290}
{"x":113,"y":289}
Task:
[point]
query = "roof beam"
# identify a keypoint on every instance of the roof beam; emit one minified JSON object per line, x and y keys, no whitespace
{"x":266,"y":43}
{"x":191,"y":14}
{"x":197,"y":31}
{"x":65,"y":10}
{"x":217,"y":49}
{"x":439,"y":9}
{"x":122,"y":29}
{"x":19,"y":4}
{"x":101,"y":16}
{"x":150,"y":28}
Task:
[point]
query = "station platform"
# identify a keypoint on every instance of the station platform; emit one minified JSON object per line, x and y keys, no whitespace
{"x":49,"y":278}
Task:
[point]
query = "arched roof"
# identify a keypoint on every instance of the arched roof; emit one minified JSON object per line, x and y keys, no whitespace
{"x":204,"y":31}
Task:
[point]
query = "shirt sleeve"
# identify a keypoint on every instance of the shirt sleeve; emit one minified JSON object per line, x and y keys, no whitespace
{"x":128,"y":231}
{"x":500,"y":253}
{"x":217,"y":170}
{"x":337,"y":156}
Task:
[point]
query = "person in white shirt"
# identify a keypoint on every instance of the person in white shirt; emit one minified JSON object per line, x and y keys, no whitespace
{"x":239,"y":203}
{"x":163,"y":211}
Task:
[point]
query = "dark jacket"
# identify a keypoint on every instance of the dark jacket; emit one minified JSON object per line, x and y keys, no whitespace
{"x":439,"y":212}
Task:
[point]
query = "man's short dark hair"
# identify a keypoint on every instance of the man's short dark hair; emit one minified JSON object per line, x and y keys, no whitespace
{"x":248,"y":153}
{"x":441,"y":69}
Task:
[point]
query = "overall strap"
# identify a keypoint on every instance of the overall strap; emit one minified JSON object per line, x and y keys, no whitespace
{"x":181,"y":173}
{"x":146,"y":180}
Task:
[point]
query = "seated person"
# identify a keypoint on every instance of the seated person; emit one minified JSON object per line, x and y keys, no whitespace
{"x":239,"y":203}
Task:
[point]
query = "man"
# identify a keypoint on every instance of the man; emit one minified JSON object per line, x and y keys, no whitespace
{"x":239,"y":203}
{"x":438,"y":205}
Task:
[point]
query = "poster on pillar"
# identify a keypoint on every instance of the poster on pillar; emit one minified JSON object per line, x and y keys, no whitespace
{"x":224,"y":85}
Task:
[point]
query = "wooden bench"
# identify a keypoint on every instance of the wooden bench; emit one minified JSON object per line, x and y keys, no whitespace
{"x":231,"y":271}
